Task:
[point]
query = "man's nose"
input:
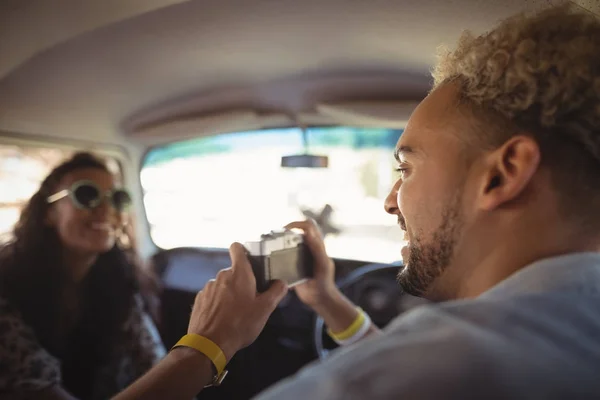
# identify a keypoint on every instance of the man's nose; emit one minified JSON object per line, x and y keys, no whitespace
{"x":391,"y":201}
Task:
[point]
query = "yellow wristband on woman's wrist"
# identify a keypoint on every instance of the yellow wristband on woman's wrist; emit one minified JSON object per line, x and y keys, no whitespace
{"x":210,"y":349}
{"x":352,"y":330}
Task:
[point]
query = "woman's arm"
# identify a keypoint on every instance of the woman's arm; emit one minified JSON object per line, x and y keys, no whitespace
{"x":29,"y":371}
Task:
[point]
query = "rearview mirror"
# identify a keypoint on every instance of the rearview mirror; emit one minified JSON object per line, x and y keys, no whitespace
{"x":305,"y":161}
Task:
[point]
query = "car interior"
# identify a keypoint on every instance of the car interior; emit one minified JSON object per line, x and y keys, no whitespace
{"x":228,"y":119}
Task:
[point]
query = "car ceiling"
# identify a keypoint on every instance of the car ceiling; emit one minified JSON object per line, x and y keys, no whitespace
{"x":93,"y":70}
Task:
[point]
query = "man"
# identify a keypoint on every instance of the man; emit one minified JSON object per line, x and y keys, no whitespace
{"x":499,"y":193}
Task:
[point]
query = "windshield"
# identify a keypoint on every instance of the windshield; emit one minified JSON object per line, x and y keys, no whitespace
{"x":212,"y":191}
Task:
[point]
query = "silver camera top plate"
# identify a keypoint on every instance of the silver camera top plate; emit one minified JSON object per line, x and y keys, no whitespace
{"x":274,"y":241}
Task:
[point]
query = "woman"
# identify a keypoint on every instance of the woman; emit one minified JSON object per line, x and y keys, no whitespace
{"x":73,"y":309}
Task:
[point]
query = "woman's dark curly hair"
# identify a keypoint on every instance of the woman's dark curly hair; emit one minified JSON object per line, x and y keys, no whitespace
{"x":34,"y":279}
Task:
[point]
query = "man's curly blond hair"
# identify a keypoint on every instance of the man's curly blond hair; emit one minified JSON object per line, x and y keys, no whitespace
{"x":539,"y":74}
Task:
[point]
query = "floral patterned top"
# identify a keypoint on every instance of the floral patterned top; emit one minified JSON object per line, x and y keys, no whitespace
{"x":26,"y":366}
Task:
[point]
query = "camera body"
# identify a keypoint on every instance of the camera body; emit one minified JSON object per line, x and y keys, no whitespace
{"x":280,"y":255}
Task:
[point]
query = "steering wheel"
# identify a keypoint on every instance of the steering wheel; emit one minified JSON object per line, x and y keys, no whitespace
{"x":374,"y":288}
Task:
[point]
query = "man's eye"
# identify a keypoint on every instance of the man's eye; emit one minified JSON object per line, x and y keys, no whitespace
{"x":401,"y":170}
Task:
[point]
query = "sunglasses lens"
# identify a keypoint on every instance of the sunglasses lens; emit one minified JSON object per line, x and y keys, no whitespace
{"x":121,"y":199}
{"x":87,"y":196}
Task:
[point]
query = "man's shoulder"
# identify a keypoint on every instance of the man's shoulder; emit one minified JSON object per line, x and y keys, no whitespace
{"x":517,"y":318}
{"x":459,"y":349}
{"x":514,"y":345}
{"x":540,"y":333}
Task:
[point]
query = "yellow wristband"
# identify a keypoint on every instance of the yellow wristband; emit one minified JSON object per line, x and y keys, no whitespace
{"x":206,"y":347}
{"x":352,"y":329}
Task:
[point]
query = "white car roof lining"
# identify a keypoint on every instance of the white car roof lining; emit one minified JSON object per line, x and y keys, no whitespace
{"x":94,"y":70}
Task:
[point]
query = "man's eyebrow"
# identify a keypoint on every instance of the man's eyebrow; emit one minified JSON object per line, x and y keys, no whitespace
{"x":402,"y":150}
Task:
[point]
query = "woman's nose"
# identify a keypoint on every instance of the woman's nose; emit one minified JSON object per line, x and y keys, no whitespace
{"x":105,"y":208}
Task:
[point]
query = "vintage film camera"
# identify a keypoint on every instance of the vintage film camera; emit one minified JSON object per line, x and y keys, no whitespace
{"x":280,"y":254}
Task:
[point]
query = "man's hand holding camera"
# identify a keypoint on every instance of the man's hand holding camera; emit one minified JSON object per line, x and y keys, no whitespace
{"x":321,"y":293}
{"x":318,"y":290}
{"x":229,"y":311}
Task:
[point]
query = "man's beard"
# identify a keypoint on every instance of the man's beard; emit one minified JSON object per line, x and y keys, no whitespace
{"x":427,"y":261}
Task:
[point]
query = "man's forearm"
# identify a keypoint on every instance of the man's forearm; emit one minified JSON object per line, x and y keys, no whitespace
{"x":181,"y":375}
{"x":338,"y":312}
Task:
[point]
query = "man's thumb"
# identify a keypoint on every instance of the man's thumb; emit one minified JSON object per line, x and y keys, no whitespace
{"x":274,"y":294}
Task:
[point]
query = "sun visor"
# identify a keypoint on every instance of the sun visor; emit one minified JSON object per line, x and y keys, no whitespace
{"x":387,"y":114}
{"x":181,"y":128}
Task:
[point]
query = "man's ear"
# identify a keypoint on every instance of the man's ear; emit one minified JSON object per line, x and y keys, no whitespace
{"x":510,"y":169}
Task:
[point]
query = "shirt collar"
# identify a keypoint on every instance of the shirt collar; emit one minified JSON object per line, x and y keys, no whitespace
{"x":575,"y":272}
